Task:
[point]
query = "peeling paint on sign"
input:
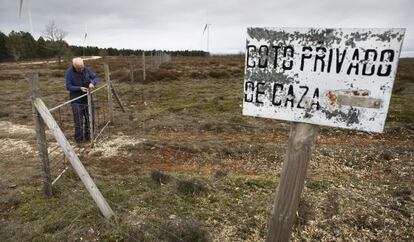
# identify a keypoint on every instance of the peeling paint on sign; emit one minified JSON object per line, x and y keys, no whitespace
{"x":333,"y":77}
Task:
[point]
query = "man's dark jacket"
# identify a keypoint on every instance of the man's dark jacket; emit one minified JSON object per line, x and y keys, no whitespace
{"x":75,"y":80}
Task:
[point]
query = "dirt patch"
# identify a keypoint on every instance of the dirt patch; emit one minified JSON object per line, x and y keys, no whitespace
{"x":14,"y":146}
{"x":112,"y":147}
{"x":9,"y":129}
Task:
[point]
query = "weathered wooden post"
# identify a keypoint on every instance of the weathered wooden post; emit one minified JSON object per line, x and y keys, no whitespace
{"x":91,"y":117}
{"x":158,"y":59}
{"x":73,"y":158}
{"x":40,"y":135}
{"x":292,"y":179}
{"x":131,"y":70}
{"x":151,"y":60}
{"x":143,"y":65}
{"x":108,"y":83}
{"x":118,"y":100}
{"x":313,"y":76}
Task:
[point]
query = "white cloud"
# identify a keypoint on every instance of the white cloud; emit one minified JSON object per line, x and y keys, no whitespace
{"x":178,"y":24}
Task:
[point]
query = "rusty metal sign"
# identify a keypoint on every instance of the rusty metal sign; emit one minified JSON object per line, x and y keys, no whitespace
{"x":333,"y":77}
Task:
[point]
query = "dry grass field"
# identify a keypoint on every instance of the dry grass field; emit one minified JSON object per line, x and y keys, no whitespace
{"x":183,"y":164}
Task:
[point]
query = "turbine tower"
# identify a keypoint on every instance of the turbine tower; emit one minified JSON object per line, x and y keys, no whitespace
{"x":207,"y":28}
{"x":85,"y":38}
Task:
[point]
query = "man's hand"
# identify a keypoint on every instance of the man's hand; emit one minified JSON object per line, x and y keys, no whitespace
{"x":84,"y":89}
{"x":91,"y":86}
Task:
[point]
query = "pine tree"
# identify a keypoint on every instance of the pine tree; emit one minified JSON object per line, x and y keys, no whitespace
{"x":14,"y":45}
{"x":4,"y":53}
{"x":41,"y":48}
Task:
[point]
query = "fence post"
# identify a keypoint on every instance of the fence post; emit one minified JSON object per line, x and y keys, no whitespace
{"x":73,"y":158}
{"x":143,"y":65}
{"x":151,"y":60}
{"x":91,"y":117}
{"x":131,"y":70}
{"x":108,"y":84}
{"x":157,"y":60}
{"x":301,"y":140}
{"x":40,"y":135}
{"x":118,"y":99}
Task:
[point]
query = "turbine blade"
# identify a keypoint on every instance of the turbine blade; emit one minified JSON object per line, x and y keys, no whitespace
{"x":20,"y":8}
{"x":205,"y":27}
{"x":86,"y":34}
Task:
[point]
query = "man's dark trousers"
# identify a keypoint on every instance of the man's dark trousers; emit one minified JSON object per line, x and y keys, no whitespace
{"x":81,"y":120}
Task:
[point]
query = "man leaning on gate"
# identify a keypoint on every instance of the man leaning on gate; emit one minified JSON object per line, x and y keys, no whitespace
{"x":80,"y":79}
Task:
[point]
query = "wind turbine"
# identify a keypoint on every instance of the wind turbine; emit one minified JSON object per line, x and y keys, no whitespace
{"x":85,"y":39}
{"x":29,"y":13}
{"x":207,"y":28}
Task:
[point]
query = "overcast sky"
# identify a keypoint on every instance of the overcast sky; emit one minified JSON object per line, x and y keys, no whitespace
{"x":178,"y":24}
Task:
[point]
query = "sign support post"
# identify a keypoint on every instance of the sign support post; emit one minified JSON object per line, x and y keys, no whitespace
{"x":292,"y":179}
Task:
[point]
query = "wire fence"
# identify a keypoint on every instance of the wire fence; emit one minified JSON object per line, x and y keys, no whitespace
{"x":99,"y":111}
{"x":71,"y":184}
{"x":151,"y":62}
{"x":97,"y":128}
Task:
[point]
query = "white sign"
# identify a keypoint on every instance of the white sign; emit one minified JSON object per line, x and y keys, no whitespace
{"x":333,"y":77}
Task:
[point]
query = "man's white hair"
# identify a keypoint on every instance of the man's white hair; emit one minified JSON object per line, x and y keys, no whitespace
{"x":77,"y":61}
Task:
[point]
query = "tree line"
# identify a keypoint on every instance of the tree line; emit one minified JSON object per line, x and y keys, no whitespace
{"x":18,"y":46}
